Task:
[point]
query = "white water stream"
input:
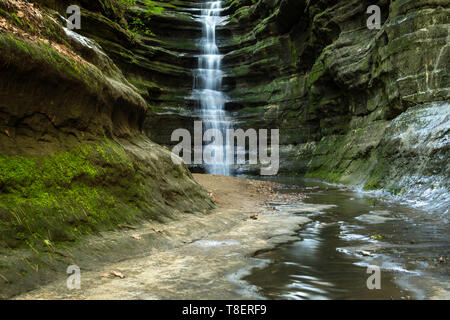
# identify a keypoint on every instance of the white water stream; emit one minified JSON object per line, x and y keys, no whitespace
{"x":207,"y":88}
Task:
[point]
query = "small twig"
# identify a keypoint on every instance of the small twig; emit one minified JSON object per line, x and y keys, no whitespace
{"x":4,"y":278}
{"x":34,"y":267}
{"x":125,"y":226}
{"x":60,"y":254}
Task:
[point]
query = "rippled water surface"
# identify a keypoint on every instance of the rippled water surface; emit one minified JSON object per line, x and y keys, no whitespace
{"x":330,"y":258}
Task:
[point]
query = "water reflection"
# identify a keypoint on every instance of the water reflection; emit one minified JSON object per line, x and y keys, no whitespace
{"x":330,"y":258}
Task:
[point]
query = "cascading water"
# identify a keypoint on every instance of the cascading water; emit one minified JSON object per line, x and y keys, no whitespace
{"x":207,"y":88}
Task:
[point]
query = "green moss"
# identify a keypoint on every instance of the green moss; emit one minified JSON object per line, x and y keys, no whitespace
{"x":139,"y":20}
{"x":60,"y":197}
{"x":325,"y":174}
{"x":17,"y":19}
{"x":4,"y":13}
{"x":41,"y":53}
{"x":375,"y":181}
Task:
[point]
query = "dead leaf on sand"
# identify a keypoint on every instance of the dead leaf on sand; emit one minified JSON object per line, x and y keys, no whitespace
{"x":156,"y":230}
{"x":136,"y":236}
{"x":124,"y":226}
{"x":117,"y":274}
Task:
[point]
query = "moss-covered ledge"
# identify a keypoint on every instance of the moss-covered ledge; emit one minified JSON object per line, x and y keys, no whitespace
{"x":95,"y":186}
{"x":52,"y":205}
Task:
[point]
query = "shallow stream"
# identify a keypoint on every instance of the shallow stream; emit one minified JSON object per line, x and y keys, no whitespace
{"x":330,"y":258}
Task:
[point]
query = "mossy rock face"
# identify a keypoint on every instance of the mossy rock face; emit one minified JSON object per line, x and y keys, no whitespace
{"x":92,"y":187}
{"x":310,"y":68}
{"x":67,"y":91}
{"x":74,"y":161}
{"x":337,"y":85}
{"x":50,"y":204}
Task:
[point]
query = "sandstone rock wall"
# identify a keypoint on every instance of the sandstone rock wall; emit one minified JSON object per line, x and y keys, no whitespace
{"x":74,"y":157}
{"x":337,"y":90}
{"x":314,"y":70}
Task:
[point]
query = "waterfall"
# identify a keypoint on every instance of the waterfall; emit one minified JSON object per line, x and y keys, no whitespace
{"x":207,"y":87}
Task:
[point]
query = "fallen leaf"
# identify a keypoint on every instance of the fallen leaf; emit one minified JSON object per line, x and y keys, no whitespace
{"x":365,"y":253}
{"x":117,"y":274}
{"x":136,"y":236}
{"x":123,"y":226}
{"x":159,"y":231}
{"x":4,"y":278}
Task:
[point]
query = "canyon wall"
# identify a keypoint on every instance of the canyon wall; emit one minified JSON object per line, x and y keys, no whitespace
{"x":353,"y":105}
{"x":74,"y":157}
{"x":356,"y":106}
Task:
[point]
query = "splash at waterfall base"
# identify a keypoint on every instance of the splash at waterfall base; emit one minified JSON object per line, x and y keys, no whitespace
{"x":228,"y":151}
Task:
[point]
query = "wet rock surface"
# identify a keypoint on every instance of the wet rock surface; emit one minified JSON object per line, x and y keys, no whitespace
{"x":338,"y":91}
{"x":354,"y":231}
